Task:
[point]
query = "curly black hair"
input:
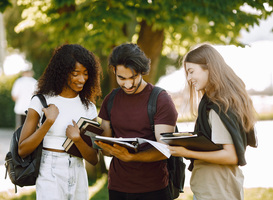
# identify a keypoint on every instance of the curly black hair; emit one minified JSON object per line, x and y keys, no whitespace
{"x":62,"y":63}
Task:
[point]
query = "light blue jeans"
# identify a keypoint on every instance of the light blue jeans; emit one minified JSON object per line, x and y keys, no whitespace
{"x":194,"y":198}
{"x":61,"y":176}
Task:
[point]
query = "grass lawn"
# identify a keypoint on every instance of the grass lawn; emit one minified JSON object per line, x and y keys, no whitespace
{"x":98,"y":191}
{"x":250,"y":194}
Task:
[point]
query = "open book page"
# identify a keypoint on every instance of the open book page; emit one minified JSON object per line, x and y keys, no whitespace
{"x":129,"y":143}
{"x":163,"y":148}
{"x":117,"y":139}
{"x":178,"y":134}
{"x":134,"y":143}
{"x":178,"y":137}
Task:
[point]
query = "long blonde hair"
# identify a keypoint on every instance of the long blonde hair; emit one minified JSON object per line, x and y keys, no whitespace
{"x":224,"y":88}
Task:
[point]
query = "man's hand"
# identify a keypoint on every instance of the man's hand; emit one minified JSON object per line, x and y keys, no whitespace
{"x":116,"y":150}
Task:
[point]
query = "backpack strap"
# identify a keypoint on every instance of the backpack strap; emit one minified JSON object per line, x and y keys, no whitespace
{"x":42,"y":99}
{"x":111,"y":100}
{"x":39,"y":151}
{"x":44,"y":103}
{"x":175,"y":165}
{"x":152,"y":104}
{"x":110,"y":105}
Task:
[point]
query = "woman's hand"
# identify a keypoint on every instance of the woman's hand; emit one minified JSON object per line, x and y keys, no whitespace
{"x":73,"y":131}
{"x":178,"y":151}
{"x":51,"y":113}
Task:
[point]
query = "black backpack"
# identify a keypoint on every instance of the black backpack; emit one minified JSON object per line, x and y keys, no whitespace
{"x":176,"y":166}
{"x":23,"y":172}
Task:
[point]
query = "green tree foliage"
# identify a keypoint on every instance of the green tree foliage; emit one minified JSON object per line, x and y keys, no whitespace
{"x":28,"y":41}
{"x":4,"y":4}
{"x":158,"y":26}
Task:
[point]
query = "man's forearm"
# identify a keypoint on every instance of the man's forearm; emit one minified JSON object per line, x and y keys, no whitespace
{"x":150,"y":155}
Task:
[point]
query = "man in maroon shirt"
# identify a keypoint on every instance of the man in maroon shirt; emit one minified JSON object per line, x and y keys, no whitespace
{"x":141,"y":175}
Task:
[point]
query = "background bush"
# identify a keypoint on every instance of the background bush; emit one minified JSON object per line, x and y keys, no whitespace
{"x":7,"y":116}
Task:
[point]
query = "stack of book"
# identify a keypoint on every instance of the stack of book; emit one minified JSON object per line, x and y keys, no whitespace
{"x":88,"y":128}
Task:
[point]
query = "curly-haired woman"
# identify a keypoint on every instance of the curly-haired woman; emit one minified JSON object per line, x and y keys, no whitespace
{"x":225,"y":115}
{"x":70,"y":84}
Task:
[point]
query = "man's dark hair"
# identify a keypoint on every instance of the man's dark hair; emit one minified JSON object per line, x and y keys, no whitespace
{"x":131,"y":56}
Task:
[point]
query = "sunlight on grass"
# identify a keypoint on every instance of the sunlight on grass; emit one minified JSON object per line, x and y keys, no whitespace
{"x":187,"y":195}
{"x":22,"y":192}
{"x":100,"y":183}
{"x":98,"y":191}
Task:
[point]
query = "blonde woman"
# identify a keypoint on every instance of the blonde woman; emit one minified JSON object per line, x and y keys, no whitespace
{"x":225,"y":115}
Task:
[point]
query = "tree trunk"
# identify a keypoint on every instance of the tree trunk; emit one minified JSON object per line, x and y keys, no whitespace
{"x":151,"y":42}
